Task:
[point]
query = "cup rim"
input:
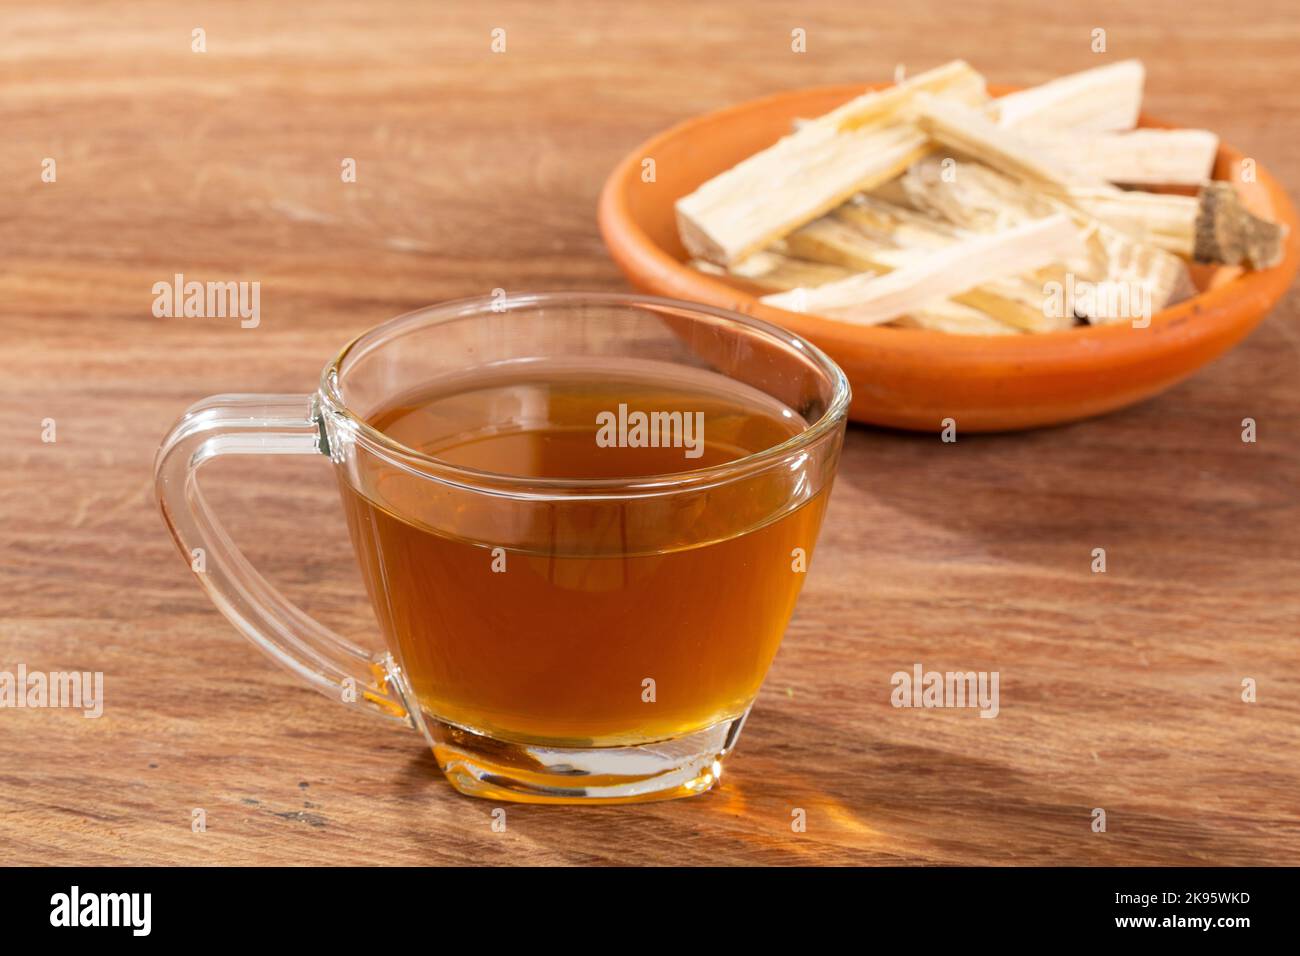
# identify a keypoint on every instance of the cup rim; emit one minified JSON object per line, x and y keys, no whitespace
{"x":432,"y":467}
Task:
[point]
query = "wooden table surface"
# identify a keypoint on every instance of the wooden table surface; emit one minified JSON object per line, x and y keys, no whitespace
{"x":476,"y":170}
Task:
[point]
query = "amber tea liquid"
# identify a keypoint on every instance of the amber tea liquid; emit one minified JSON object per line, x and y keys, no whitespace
{"x":583,"y":621}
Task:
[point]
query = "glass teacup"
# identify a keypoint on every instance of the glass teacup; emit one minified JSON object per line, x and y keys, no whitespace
{"x":583,"y":521}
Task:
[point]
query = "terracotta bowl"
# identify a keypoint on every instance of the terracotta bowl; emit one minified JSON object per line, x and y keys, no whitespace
{"x":911,"y":378}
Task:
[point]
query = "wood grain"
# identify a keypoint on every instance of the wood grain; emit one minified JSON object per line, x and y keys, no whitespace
{"x":478,"y":170}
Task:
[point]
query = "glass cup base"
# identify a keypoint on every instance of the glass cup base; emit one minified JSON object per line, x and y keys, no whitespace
{"x":483,"y":766}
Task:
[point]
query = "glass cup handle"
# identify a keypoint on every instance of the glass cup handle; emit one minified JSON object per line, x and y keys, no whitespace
{"x":263,"y":425}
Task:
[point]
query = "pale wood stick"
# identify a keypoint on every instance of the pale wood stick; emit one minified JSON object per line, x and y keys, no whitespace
{"x":871,"y":300}
{"x":809,"y":172}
